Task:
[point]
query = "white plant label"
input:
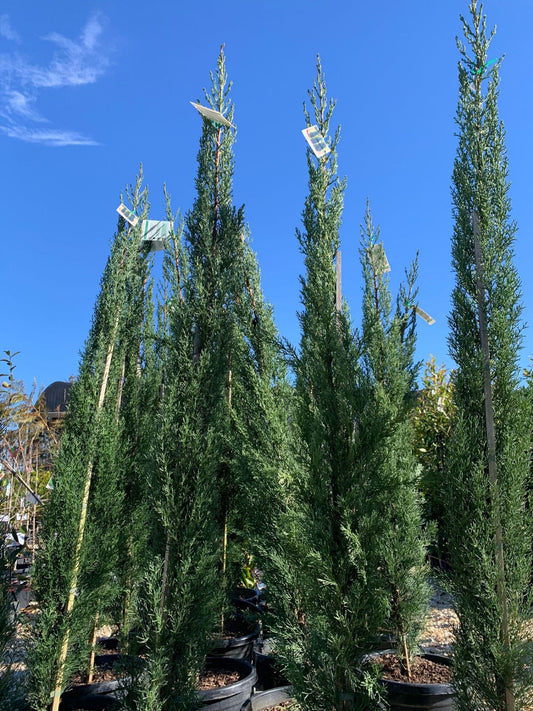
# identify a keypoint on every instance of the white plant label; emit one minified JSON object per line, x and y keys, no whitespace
{"x":316,"y":141}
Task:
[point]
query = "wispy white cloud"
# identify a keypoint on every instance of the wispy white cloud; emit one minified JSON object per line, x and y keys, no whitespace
{"x":74,"y":63}
{"x":6,"y":30}
{"x":49,"y":137}
{"x":19,"y":105}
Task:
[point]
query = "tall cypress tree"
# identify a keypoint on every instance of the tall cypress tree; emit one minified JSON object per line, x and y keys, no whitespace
{"x":489,"y":522}
{"x":137,"y":408}
{"x":217,"y":432}
{"x":212,"y":234}
{"x":233,"y":330}
{"x":322,"y":597}
{"x":391,"y":525}
{"x":73,"y":583}
{"x":179,"y":602}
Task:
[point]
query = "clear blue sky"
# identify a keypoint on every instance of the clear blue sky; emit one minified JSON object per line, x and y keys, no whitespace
{"x":89,"y":90}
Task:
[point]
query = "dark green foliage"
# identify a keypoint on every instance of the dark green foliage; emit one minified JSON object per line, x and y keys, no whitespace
{"x":391,"y":523}
{"x":137,"y":412}
{"x":235,"y":342}
{"x":491,"y":591}
{"x":88,"y":469}
{"x":218,"y":431}
{"x":213,"y":237}
{"x":178,"y":601}
{"x":326,"y":611}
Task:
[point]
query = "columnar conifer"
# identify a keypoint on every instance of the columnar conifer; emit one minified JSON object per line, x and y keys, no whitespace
{"x":74,"y":577}
{"x":217,"y":431}
{"x":234,"y":337}
{"x":326,"y":614}
{"x":391,"y":523}
{"x":489,"y":521}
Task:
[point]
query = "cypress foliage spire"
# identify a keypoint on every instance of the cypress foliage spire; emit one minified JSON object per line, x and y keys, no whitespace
{"x":179,"y":601}
{"x":220,"y":424}
{"x":137,"y":404}
{"x":326,"y":617}
{"x":392,"y":520}
{"x":224,"y":298}
{"x":73,"y":584}
{"x":489,"y":526}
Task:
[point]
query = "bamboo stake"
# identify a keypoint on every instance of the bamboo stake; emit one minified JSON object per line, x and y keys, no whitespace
{"x":224,"y":563}
{"x":406,"y":656}
{"x":217,"y":176}
{"x":124,"y":634}
{"x":92,"y":640}
{"x":225,"y":534}
{"x":93,"y":650}
{"x":338,"y":291}
{"x":81,"y":531}
{"x":491,"y":445}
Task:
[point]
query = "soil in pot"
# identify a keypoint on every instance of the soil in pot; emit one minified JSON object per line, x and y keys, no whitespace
{"x":428,"y":688}
{"x":423,"y":670}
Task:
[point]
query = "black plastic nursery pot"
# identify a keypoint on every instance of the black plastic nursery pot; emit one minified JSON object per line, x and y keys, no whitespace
{"x":238,"y":645}
{"x":246,"y":600}
{"x":95,"y":702}
{"x":268,"y":676}
{"x":405,"y":696}
{"x":72,"y":697}
{"x":248,"y":594}
{"x":234,"y":696}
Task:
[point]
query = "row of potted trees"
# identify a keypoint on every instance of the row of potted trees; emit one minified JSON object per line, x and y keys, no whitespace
{"x":188,"y":445}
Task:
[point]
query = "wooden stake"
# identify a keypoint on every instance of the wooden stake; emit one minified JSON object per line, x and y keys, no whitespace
{"x":491,"y":445}
{"x":406,"y":656}
{"x":224,"y":563}
{"x":93,"y":650}
{"x":338,"y":291}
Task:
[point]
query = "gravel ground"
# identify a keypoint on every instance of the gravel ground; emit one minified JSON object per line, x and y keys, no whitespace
{"x":438,"y":635}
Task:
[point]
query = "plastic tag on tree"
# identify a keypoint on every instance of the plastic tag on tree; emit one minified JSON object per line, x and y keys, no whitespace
{"x":316,"y":141}
{"x":212,"y":115}
{"x":50,"y":484}
{"x":485,"y":66}
{"x":127,"y":214}
{"x":156,"y":233}
{"x":425,"y":316}
{"x":378,"y":258}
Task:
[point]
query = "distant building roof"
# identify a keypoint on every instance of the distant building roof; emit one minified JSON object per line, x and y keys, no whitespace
{"x":56,"y":397}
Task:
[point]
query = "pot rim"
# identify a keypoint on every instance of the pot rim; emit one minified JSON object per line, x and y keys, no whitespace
{"x":239,"y":665}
